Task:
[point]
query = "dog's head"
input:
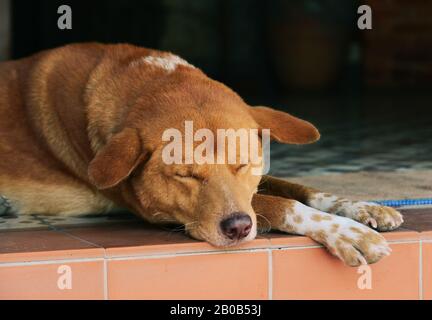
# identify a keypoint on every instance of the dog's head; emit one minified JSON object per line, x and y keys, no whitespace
{"x":212,"y":199}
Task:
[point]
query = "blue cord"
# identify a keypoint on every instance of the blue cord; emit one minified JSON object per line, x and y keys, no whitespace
{"x":405,"y":202}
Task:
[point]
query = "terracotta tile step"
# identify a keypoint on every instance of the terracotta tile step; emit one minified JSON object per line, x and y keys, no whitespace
{"x":139,"y":261}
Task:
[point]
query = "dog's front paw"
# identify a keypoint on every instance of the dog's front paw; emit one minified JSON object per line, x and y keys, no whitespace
{"x":378,"y":217}
{"x":371,"y":214}
{"x":354,"y":243}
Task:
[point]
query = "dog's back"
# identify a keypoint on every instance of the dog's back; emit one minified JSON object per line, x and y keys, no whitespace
{"x":39,"y":158}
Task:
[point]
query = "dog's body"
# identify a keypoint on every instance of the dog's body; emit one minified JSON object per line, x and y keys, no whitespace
{"x":80,"y":132}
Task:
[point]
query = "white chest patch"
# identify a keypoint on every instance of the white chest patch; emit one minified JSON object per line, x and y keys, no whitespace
{"x":168,"y":62}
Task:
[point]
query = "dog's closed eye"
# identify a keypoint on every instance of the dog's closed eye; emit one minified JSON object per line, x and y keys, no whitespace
{"x":242,"y":168}
{"x":181,"y":175}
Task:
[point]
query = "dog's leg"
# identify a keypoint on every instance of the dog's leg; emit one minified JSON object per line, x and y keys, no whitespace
{"x":378,"y":217}
{"x":353,"y":242}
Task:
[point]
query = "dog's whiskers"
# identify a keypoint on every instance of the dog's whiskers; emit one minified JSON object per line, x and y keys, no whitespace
{"x":182,"y":228}
{"x":156,"y":214}
{"x":268,"y":222}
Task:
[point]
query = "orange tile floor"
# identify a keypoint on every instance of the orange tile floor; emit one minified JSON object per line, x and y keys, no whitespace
{"x":133,"y":260}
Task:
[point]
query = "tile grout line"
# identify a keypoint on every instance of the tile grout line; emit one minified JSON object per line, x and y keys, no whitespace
{"x":270,"y":274}
{"x":421,"y":270}
{"x":182,"y":254}
{"x":60,"y":230}
{"x":203,"y":253}
{"x":133,"y":257}
{"x":403,"y":241}
{"x":43,"y":262}
{"x":105,"y":278}
{"x":172,"y":255}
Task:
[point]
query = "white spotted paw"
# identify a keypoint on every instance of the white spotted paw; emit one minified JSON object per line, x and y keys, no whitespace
{"x":378,"y":217}
{"x":354,"y":243}
{"x":371,"y":214}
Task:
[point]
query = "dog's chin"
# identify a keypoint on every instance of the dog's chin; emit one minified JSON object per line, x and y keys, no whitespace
{"x":222,"y":242}
{"x":217,"y":240}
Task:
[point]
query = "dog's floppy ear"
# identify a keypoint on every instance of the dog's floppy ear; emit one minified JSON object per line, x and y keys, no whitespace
{"x":116,"y":160}
{"x":283,"y":127}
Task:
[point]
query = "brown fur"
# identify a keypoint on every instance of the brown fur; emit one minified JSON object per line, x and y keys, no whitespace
{"x":81,"y":129}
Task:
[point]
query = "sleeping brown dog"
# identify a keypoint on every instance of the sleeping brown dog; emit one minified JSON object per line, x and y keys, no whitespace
{"x":81,"y":131}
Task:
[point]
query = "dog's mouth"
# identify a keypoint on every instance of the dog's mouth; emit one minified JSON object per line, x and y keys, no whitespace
{"x":218,"y":239}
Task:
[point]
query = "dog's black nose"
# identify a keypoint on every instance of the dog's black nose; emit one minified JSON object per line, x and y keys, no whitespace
{"x":237,"y":226}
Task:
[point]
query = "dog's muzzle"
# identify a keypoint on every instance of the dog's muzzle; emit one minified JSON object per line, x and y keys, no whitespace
{"x":5,"y":206}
